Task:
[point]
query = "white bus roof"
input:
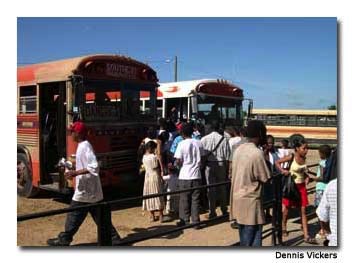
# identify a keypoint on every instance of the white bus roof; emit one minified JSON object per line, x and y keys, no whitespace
{"x":184,"y":88}
{"x":293,"y":112}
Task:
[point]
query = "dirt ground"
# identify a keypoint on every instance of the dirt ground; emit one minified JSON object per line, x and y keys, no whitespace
{"x":131,"y":223}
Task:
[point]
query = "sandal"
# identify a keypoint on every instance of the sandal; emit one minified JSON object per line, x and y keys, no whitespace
{"x":320,"y":235}
{"x":310,"y":240}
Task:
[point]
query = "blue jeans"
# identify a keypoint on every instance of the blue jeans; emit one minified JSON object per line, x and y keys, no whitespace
{"x":250,"y":235}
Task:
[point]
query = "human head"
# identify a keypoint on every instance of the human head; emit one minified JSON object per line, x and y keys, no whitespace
{"x":324,"y":151}
{"x":215,"y":125}
{"x":284,"y":143}
{"x":179,"y":127}
{"x":270,"y":142}
{"x":163,"y":124}
{"x":232,"y":131}
{"x":187,"y":130}
{"x":243,"y":132}
{"x":164,"y":136}
{"x":300,"y":146}
{"x":78,"y":131}
{"x":256,"y":132}
{"x":150,"y":147}
{"x":151,"y":133}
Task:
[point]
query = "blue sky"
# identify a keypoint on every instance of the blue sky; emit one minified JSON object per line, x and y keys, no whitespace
{"x":279,"y":62}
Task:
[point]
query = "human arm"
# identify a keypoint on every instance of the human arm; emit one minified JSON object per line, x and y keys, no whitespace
{"x":159,"y":156}
{"x":178,"y":156}
{"x":88,"y":163}
{"x":260,"y":169}
{"x":72,"y":173}
{"x":280,"y":161}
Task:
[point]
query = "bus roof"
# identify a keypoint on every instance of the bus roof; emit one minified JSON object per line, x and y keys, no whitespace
{"x":185,"y":88}
{"x":294,"y":112}
{"x":60,"y":70}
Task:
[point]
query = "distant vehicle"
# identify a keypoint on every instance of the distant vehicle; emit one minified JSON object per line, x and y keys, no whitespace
{"x":104,"y":92}
{"x":316,"y":126}
{"x":203,"y":100}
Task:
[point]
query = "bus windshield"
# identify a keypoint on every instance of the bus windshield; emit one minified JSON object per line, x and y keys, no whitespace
{"x":227,"y":110}
{"x":118,"y":102}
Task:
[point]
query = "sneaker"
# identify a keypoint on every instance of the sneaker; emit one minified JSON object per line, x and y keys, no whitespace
{"x":225,"y":213}
{"x":182,"y":223}
{"x":210,"y":216}
{"x":56,"y":242}
{"x":197,"y":227}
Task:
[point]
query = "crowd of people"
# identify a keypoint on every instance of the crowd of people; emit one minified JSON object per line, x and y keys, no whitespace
{"x":246,"y":156}
{"x":178,"y":155}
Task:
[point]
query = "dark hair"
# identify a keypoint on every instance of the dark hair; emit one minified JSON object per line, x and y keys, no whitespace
{"x":285,"y":141}
{"x":269,"y":136}
{"x":243,"y":132}
{"x":151,"y":133}
{"x":326,"y":150}
{"x":298,"y":143}
{"x":164,"y":136}
{"x":150,"y":145}
{"x":163,"y":123}
{"x":187,"y":130}
{"x":255,"y":129}
{"x":215,"y":125}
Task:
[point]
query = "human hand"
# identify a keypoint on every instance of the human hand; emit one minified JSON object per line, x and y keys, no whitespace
{"x":70,"y":174}
{"x":307,"y":180}
{"x":285,"y":172}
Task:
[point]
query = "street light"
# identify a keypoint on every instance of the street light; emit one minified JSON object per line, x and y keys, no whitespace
{"x":175,"y":66}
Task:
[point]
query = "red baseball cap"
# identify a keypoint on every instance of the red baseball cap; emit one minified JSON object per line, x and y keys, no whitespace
{"x":179,"y":126}
{"x":78,"y":127}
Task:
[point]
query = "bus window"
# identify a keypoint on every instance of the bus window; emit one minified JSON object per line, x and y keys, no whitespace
{"x":218,"y":108}
{"x":102,"y":104}
{"x":28,"y":100}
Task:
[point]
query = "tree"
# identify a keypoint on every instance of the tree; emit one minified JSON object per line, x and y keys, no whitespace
{"x":332,"y":107}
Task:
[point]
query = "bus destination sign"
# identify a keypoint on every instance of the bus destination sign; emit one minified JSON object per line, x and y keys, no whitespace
{"x":121,"y":71}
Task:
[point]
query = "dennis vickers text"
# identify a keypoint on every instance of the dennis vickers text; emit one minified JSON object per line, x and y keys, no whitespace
{"x":306,"y":255}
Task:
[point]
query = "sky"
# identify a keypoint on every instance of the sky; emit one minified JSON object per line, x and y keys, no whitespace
{"x":278,"y":62}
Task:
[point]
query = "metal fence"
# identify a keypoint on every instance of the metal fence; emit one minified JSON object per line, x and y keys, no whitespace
{"x":104,"y":214}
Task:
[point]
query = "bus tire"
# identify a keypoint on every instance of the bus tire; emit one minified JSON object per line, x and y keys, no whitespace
{"x":25,"y":187}
{"x":294,"y":137}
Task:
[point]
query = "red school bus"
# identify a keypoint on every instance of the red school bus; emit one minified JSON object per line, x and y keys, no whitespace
{"x":104,"y":92}
{"x":203,"y":100}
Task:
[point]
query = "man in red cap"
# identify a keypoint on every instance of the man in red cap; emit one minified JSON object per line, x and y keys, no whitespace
{"x":88,"y":188}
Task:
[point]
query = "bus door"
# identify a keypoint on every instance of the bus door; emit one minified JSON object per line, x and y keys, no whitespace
{"x":52,"y":97}
{"x":180,"y":104}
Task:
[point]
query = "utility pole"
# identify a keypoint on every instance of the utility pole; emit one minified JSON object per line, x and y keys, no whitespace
{"x":175,"y":68}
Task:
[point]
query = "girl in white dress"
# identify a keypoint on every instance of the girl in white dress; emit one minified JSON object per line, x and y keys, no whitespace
{"x":153,"y":183}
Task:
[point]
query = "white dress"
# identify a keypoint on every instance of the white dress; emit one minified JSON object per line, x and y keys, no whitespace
{"x":153,"y":183}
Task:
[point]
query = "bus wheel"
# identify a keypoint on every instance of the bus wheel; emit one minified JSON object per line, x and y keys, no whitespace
{"x":294,"y":137}
{"x":24,"y":177}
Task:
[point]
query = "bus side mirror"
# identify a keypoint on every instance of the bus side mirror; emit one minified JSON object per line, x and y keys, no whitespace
{"x":194,"y":105}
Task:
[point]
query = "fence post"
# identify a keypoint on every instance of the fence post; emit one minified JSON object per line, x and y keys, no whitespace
{"x":104,"y":225}
{"x":279,"y":211}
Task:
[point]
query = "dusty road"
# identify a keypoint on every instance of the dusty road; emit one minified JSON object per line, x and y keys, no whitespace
{"x":131,"y":223}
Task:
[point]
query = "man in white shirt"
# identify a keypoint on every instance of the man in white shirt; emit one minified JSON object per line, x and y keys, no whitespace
{"x":218,"y":153}
{"x":188,"y":155}
{"x":88,"y":188}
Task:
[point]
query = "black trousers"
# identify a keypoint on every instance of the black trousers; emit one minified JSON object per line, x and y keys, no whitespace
{"x":189,"y":202}
{"x":75,"y":219}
